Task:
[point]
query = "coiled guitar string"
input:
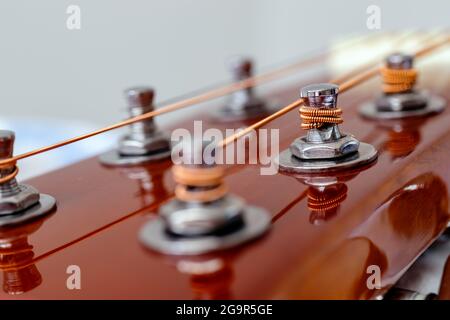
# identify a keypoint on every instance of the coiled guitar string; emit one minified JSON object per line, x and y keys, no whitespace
{"x":346,"y":85}
{"x":314,"y":118}
{"x":14,"y":171}
{"x":396,"y":80}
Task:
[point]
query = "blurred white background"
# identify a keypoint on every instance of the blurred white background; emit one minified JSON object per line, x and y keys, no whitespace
{"x":75,"y":78}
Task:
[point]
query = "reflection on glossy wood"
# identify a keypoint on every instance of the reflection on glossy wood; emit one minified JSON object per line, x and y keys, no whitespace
{"x":20,"y":274}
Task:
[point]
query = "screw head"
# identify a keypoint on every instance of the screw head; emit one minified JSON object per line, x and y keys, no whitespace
{"x":139,"y":96}
{"x":319,"y":89}
{"x":399,"y":61}
{"x":320,"y":95}
{"x":6,"y":144}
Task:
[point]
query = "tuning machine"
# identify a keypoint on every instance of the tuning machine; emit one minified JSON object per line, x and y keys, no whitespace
{"x":144,"y":143}
{"x":243,"y":104}
{"x":18,"y":202}
{"x":203,"y":217}
{"x":324,"y":148}
{"x":400,"y":99}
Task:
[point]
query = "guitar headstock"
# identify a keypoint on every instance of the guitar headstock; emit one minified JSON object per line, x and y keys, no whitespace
{"x":326,"y":185}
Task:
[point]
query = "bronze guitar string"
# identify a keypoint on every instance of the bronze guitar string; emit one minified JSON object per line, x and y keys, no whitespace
{"x":364,"y":76}
{"x":196,"y":99}
{"x":203,"y":97}
{"x":396,"y":81}
{"x":199,"y":184}
{"x":149,"y":208}
{"x":212,"y":94}
{"x":320,"y":202}
{"x":314,"y":118}
{"x":12,"y":174}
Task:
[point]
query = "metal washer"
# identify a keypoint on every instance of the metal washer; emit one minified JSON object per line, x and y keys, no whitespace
{"x":228,"y":115}
{"x":114,"y":158}
{"x":45,"y":205}
{"x":154,"y":236}
{"x":434,"y":105}
{"x":290,"y":164}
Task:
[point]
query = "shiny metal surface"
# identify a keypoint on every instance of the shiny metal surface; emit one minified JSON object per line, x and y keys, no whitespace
{"x":331,"y":149}
{"x":6,"y":144}
{"x":14,"y":198}
{"x":45,"y":205}
{"x":256,"y":222}
{"x":434,"y":105}
{"x":327,"y":90}
{"x":412,"y":103}
{"x":187,"y":219}
{"x":385,"y":220}
{"x":324,"y":148}
{"x":243,"y":104}
{"x":144,"y":142}
{"x":114,"y":158}
{"x":400,"y":61}
{"x":326,"y":142}
{"x":291,"y":164}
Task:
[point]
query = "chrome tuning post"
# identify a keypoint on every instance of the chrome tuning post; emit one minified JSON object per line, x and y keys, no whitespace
{"x":18,"y":202}
{"x":324,"y":148}
{"x":242,"y":104}
{"x":400,"y":99}
{"x":144,"y":143}
{"x":203,"y":217}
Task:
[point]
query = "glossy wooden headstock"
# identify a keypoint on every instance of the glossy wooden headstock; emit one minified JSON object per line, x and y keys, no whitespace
{"x":390,"y":213}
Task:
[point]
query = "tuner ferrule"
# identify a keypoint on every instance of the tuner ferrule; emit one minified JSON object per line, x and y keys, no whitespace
{"x":144,"y":142}
{"x":242,"y":104}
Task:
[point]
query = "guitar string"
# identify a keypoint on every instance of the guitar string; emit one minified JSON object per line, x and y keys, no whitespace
{"x":215,"y":93}
{"x":343,"y":87}
{"x":323,"y":52}
{"x":303,"y":195}
{"x":146,"y":209}
{"x":370,"y":65}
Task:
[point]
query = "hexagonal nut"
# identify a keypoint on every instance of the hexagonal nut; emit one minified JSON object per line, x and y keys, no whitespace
{"x":346,"y":145}
{"x":27,"y":197}
{"x":137,"y":147}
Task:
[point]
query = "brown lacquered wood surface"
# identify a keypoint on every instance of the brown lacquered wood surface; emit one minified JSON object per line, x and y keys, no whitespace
{"x":392,"y":212}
